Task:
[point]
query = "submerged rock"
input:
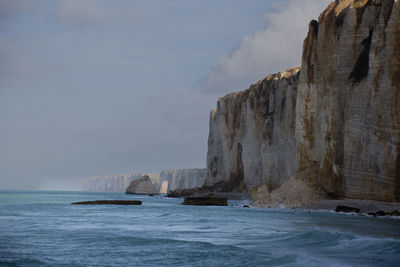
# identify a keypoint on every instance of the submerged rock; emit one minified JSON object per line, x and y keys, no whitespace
{"x":347,"y":209}
{"x":210,"y":200}
{"x":380,"y":213}
{"x":142,"y":186}
{"x":107,"y":202}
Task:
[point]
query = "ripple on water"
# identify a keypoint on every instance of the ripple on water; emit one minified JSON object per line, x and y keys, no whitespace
{"x":45,"y":230}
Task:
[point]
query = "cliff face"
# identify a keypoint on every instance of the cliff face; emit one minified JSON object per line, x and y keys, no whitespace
{"x":116,"y":183}
{"x":348,"y":102}
{"x":182,"y":179}
{"x":252,"y":135}
{"x":331,"y":131}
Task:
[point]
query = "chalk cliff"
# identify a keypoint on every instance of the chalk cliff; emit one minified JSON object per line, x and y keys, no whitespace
{"x":252,"y":135}
{"x":182,"y":178}
{"x":348,"y":102}
{"x":331,"y":130}
{"x":116,"y":183}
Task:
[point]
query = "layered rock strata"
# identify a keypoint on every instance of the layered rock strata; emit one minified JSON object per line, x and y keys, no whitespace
{"x":252,"y":135}
{"x":348,"y":102}
{"x":329,"y":131}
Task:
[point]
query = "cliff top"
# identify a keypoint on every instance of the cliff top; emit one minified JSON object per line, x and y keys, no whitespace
{"x":286,"y":74}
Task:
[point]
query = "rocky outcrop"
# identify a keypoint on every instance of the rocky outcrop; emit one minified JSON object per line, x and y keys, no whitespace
{"x":331,"y":130}
{"x":182,"y":179}
{"x":142,"y":186}
{"x":115,"y":183}
{"x":299,"y":189}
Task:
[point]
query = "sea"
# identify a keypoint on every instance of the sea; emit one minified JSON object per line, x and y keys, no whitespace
{"x":42,"y":228}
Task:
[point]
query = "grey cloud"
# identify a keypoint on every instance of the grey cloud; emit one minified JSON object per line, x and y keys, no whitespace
{"x":273,"y":49}
{"x":81,"y":11}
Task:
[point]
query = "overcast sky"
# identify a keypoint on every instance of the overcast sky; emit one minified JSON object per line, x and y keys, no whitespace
{"x":91,"y":87}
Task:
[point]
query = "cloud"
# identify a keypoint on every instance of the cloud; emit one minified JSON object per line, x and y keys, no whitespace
{"x":275,"y":48}
{"x":81,"y":12}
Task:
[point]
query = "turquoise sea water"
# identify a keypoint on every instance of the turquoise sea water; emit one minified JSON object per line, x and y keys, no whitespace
{"x":43,"y":229}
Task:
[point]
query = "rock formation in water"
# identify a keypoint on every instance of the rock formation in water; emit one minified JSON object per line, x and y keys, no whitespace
{"x":143,"y":186}
{"x":116,"y":183}
{"x":331,"y":130}
{"x":182,"y":179}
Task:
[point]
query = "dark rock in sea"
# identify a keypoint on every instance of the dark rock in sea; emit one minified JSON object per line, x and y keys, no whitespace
{"x":246,"y":206}
{"x":179,"y":193}
{"x":210,"y":200}
{"x":107,"y":202}
{"x":347,"y":209}
{"x":380,"y":213}
{"x":393,"y":213}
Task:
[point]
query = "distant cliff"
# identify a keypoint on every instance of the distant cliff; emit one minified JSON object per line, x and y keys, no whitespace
{"x":116,"y":183}
{"x":182,"y":178}
{"x":165,"y":181}
{"x":331,"y":130}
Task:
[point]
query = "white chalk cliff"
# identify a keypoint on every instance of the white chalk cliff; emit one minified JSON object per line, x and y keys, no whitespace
{"x":116,"y":183}
{"x":182,"y":178}
{"x":330,"y":129}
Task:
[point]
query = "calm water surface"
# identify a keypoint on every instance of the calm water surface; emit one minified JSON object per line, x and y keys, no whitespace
{"x":42,"y":229}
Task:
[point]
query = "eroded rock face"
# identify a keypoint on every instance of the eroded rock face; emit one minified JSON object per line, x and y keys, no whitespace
{"x":182,"y":178}
{"x":299,"y":189}
{"x":115,"y":183}
{"x":348,"y":102}
{"x":252,"y":135}
{"x":332,"y":131}
{"x":142,"y":186}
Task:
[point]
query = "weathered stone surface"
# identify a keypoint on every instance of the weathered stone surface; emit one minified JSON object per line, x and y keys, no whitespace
{"x":332,"y":131}
{"x":182,"y":178}
{"x":348,"y":102}
{"x":109,"y":202}
{"x":142,"y":186}
{"x":252,"y":135}
{"x":115,"y":183}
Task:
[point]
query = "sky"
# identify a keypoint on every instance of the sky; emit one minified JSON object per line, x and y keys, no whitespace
{"x":92,"y":87}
